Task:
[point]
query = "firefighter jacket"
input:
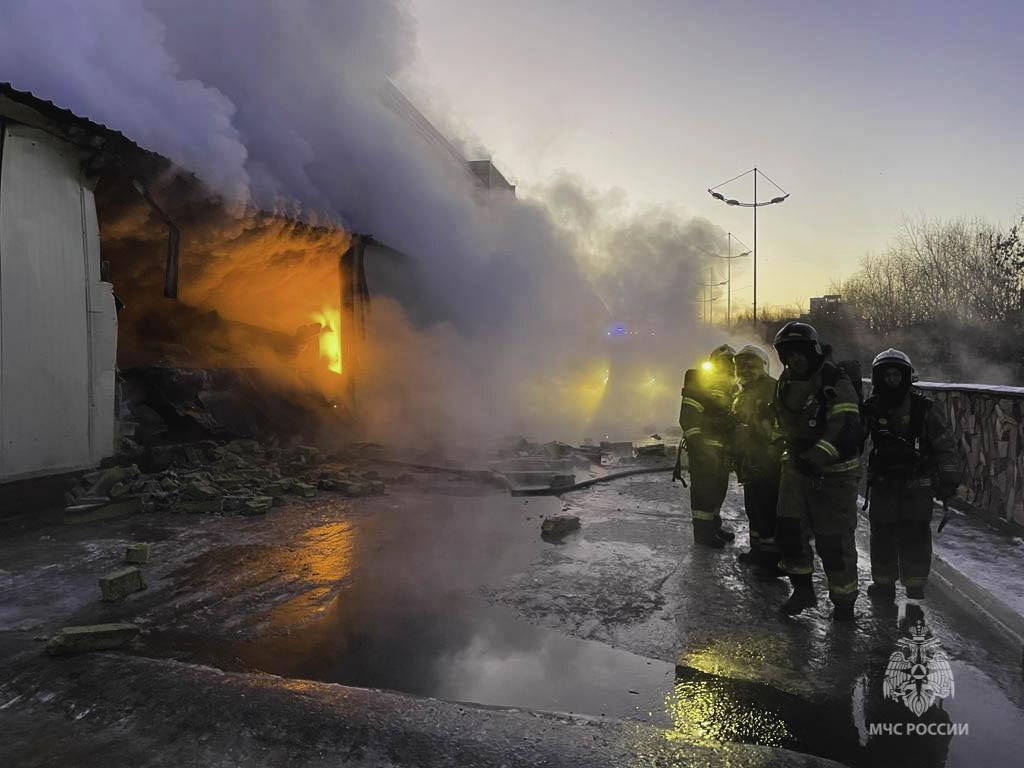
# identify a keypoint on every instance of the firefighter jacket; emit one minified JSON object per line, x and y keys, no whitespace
{"x":755,"y":447}
{"x":912,"y":445}
{"x":820,"y":420}
{"x":705,"y":414}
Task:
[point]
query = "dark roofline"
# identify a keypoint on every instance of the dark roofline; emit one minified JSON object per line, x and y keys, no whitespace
{"x":25,"y":107}
{"x":105,"y":146}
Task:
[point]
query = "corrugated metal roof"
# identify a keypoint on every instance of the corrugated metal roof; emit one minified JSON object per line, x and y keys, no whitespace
{"x":63,"y":122}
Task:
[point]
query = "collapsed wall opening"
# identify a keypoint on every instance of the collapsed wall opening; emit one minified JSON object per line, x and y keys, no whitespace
{"x":262,"y":336}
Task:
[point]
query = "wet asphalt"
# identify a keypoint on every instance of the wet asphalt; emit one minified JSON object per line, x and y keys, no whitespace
{"x":445,"y":589}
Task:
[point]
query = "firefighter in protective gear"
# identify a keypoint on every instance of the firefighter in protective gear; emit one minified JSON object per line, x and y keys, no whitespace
{"x":707,"y":425}
{"x":757,"y":456}
{"x":818,"y":414}
{"x":912,"y":462}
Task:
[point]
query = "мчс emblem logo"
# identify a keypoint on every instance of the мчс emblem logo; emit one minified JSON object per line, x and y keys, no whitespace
{"x":918,"y":672}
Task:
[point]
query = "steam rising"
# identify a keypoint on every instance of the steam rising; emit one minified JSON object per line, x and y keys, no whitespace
{"x":280,"y":105}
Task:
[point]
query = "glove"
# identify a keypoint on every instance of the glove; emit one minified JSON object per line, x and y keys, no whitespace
{"x":677,"y":470}
{"x":677,"y":474}
{"x":805,"y":466}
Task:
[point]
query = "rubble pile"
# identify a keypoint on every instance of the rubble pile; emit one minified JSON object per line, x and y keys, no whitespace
{"x":557,"y":526}
{"x":243,"y":477}
{"x":554,"y":464}
{"x":563,"y":454}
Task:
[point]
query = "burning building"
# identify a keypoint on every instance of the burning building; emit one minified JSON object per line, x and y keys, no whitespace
{"x":211,"y":298}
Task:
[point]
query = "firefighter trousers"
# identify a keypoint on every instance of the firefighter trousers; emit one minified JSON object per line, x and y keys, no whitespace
{"x":760,"y":502}
{"x":709,"y":483}
{"x":824,"y":507}
{"x":901,"y":535}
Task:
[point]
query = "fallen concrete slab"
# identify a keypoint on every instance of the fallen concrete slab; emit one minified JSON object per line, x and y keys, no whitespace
{"x":559,"y":525}
{"x":92,"y":637}
{"x":91,"y":511}
{"x":137,"y":554}
{"x":121,"y":583}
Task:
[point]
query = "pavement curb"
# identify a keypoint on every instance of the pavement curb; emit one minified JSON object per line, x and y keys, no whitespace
{"x":975,"y":598}
{"x":966,"y":592}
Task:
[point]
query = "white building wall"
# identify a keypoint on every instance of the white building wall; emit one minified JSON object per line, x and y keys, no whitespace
{"x":57,"y":320}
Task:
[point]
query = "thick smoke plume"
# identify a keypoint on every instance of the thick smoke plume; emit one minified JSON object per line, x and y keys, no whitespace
{"x":284,"y":107}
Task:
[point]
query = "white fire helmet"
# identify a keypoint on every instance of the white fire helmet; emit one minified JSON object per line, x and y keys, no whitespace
{"x":892,"y":357}
{"x":752,"y":350}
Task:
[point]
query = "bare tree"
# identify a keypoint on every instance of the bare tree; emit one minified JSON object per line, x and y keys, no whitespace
{"x":964,"y":271}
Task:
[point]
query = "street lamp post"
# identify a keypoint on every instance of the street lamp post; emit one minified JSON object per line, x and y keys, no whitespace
{"x":709,"y":302}
{"x":729,"y":259}
{"x":753,"y":204}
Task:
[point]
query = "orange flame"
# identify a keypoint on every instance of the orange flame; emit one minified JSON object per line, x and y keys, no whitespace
{"x":330,"y":337}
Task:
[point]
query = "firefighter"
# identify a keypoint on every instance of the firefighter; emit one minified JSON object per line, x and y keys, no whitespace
{"x":706,"y":420}
{"x":818,"y":414}
{"x":912,"y":462}
{"x":757,"y":457}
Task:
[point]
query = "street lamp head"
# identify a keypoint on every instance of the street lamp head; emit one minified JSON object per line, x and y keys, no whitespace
{"x":730,"y":201}
{"x":778,"y":199}
{"x":717,"y":195}
{"x":741,"y":255}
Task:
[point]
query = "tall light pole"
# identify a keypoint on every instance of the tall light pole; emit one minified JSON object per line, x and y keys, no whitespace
{"x":709,"y":302}
{"x":729,"y":258}
{"x":755,"y":204}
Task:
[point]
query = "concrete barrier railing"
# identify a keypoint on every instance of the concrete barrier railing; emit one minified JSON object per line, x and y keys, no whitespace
{"x":988,"y":424}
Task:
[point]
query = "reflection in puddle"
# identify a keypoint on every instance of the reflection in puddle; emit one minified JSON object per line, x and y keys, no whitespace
{"x":472,"y":652}
{"x":705,"y":712}
{"x":324,"y":557}
{"x":390,"y":601}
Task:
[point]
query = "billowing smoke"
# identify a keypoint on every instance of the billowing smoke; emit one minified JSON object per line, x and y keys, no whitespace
{"x":285,"y":106}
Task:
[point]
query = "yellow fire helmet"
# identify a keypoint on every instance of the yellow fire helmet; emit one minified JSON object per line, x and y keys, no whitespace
{"x":720,"y":352}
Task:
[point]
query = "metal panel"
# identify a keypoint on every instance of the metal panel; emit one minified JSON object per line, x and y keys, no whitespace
{"x":103,"y":340}
{"x":44,"y":323}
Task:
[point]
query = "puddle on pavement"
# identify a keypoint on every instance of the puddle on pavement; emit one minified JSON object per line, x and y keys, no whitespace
{"x":408,"y":618}
{"x":465,"y":650}
{"x":977,"y":724}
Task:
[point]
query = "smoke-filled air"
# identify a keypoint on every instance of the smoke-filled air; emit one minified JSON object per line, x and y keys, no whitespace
{"x":565,"y":312}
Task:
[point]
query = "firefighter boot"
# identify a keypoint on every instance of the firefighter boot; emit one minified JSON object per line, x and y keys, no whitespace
{"x":915,"y":592}
{"x":883,"y":593}
{"x":705,"y":535}
{"x":802,"y":597}
{"x":767,"y":565}
{"x":725,"y":533}
{"x":843,"y":611}
{"x":768,"y":571}
{"x":751,"y":557}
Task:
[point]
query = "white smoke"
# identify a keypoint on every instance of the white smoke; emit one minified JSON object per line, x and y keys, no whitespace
{"x":281,"y":103}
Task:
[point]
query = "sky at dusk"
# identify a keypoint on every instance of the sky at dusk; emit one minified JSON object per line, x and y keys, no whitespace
{"x":866,"y":113}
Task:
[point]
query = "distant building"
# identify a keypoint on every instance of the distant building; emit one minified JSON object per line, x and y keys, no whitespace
{"x":490,"y":176}
{"x":829,"y":307}
{"x":481,"y":171}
